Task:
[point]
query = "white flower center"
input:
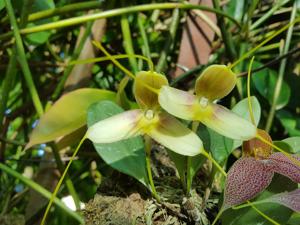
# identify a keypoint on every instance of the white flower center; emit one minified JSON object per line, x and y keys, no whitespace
{"x":203,"y":102}
{"x":149,"y":114}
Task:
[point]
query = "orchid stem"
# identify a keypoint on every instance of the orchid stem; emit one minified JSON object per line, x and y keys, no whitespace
{"x":208,"y":156}
{"x":189,"y":180}
{"x":249,"y":53}
{"x":218,"y":216}
{"x":248,"y":92}
{"x":263,"y":215}
{"x":148,"y":147}
{"x":126,"y":71}
{"x":61,"y":180}
{"x":248,"y":204}
{"x":121,"y":56}
{"x":282,"y":71}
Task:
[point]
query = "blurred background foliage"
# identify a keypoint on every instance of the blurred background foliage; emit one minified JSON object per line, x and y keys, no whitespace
{"x":35,"y":71}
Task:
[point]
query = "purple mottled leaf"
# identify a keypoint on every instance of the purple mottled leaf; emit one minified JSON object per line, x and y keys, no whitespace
{"x":285,"y":166}
{"x":288,"y":199}
{"x":246,"y":178}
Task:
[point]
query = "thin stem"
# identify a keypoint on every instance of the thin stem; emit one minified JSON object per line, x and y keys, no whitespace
{"x":248,"y":204}
{"x":148,"y":147}
{"x":226,"y":35}
{"x":281,"y":57}
{"x":281,"y":70}
{"x":268,"y":14}
{"x":23,"y":61}
{"x":188,"y":176}
{"x":127,"y":42}
{"x":69,"y":182}
{"x":169,"y":43}
{"x":208,"y":21}
{"x":10,"y":75}
{"x":264,"y":215}
{"x":279,"y":149}
{"x":218,"y":217}
{"x":189,"y":180}
{"x":61,"y":180}
{"x":146,"y":48}
{"x":117,"y":12}
{"x":249,"y":53}
{"x":188,"y":73}
{"x":110,"y":57}
{"x":126,"y":71}
{"x":41,"y":190}
{"x":248,"y":92}
{"x":80,"y":6}
{"x":74,"y":56}
{"x":208,"y":156}
{"x":25,"y":10}
{"x":121,"y":56}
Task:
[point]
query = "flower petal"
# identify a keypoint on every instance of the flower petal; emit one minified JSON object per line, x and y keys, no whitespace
{"x":246,"y":178}
{"x":256,"y":148}
{"x":178,"y":103}
{"x":146,"y":98}
{"x":228,"y":123}
{"x":175,"y":136}
{"x":285,"y":166}
{"x":215,"y":82}
{"x":116,"y":128}
{"x":288,"y":199}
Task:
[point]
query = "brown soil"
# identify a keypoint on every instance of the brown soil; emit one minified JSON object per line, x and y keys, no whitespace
{"x":124,"y":201}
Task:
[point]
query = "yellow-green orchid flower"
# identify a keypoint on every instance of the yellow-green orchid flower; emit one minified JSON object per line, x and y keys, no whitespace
{"x":214,"y":83}
{"x":148,"y":120}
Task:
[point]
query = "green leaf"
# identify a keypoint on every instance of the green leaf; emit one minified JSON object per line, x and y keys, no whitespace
{"x":283,"y":145}
{"x":236,"y":8}
{"x":291,"y":122}
{"x":43,"y":36}
{"x":37,"y":38}
{"x":294,"y":143}
{"x":218,"y":145}
{"x":265,"y":82}
{"x":127,"y":156}
{"x":181,"y":164}
{"x":295,"y":219}
{"x":242,"y":109}
{"x":277,"y":212}
{"x":2,"y":5}
{"x":67,"y":114}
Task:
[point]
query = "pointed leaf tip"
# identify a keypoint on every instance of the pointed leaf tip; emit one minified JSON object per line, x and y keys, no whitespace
{"x":67,"y":114}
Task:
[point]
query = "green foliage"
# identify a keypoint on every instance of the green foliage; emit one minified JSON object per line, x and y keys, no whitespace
{"x":51,"y":37}
{"x":74,"y":105}
{"x":127,"y":156}
{"x":265,"y":82}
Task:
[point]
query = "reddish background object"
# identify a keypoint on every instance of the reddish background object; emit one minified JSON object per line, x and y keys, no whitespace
{"x":195,"y":47}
